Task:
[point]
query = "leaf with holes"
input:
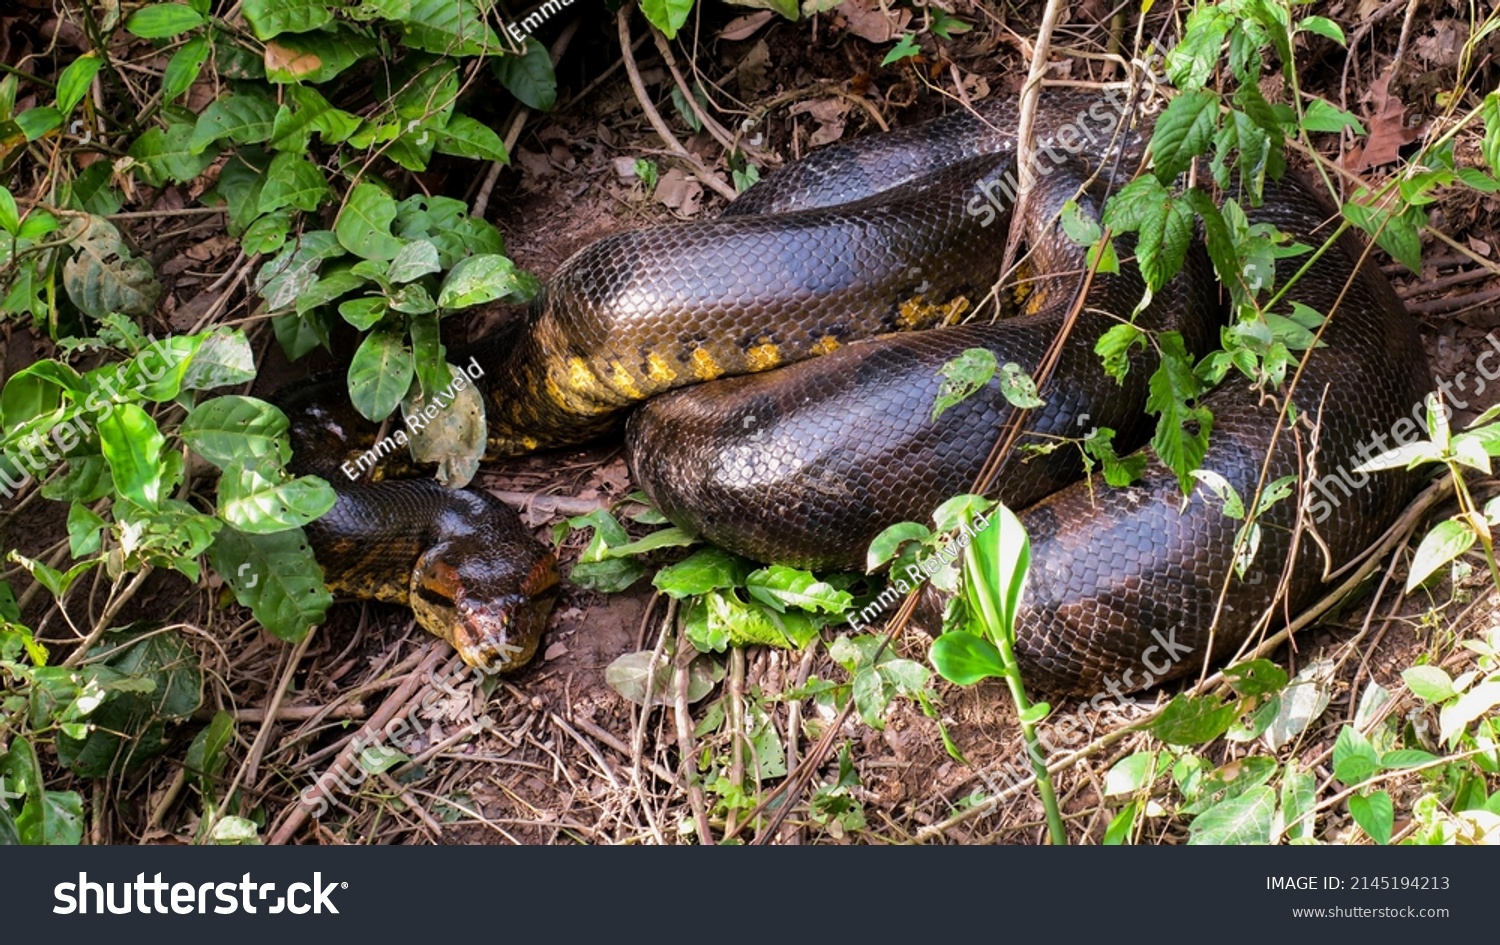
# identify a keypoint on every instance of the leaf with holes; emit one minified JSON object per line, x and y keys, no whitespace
{"x":1193,"y":720}
{"x":963,"y":377}
{"x":258,"y":498}
{"x":232,"y":428}
{"x":103,"y":277}
{"x":380,"y":374}
{"x":276,"y":576}
{"x":486,"y":277}
{"x":1239,"y":820}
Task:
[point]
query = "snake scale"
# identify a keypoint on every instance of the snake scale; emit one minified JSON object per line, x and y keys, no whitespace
{"x":849,"y":273}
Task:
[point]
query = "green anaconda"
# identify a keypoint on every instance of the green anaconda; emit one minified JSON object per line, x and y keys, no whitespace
{"x":847,"y":273}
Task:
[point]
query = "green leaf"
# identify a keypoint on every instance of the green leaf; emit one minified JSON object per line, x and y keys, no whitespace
{"x":1375,"y":815}
{"x":484,"y":278}
{"x":667,"y":15}
{"x":36,"y":122}
{"x":364,"y":225}
{"x":1239,"y":820}
{"x":529,"y":77}
{"x":1192,"y":60}
{"x":132,"y":445}
{"x":662,"y":538}
{"x":243,"y":118}
{"x":315,"y":57}
{"x":166,"y":154}
{"x":1354,"y":758}
{"x":257,"y":498}
{"x":1130,"y":774}
{"x":295,"y":270}
{"x":1193,"y":720}
{"x":223,"y":358}
{"x":885,"y":545}
{"x":1447,"y":540}
{"x":184,"y":67}
{"x":1430,"y":683}
{"x":270,"y":18}
{"x":293,"y":181}
{"x":466,"y":138}
{"x":1456,"y":715}
{"x":962,"y":377}
{"x":1183,"y":132}
{"x":780,"y":587}
{"x":1323,"y":26}
{"x":1321,"y":116}
{"x":1119,"y":471}
{"x":83,"y":530}
{"x":1490,"y":145}
{"x":232,"y":428}
{"x":163,"y":20}
{"x":276,"y":576}
{"x":1256,"y":677}
{"x":1113,"y":348}
{"x":415,"y":260}
{"x":995,"y":567}
{"x":906,"y":48}
{"x":74,"y":82}
{"x":449,"y":28}
{"x":1396,"y":234}
{"x":1298,"y":803}
{"x":1406,"y":758}
{"x":1182,"y":430}
{"x":380,"y":374}
{"x":705,"y":570}
{"x":965,"y":658}
{"x":1121,"y":826}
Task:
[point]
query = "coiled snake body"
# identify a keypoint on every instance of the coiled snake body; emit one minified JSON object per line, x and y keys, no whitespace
{"x":804,"y":464}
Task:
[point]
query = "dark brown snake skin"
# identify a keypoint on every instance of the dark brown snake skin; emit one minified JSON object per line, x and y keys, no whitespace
{"x":804,"y":464}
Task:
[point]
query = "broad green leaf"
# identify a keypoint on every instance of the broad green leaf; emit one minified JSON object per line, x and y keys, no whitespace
{"x":1296,"y":818}
{"x":295,"y":270}
{"x":1456,"y":715}
{"x":10,"y":218}
{"x":1256,"y":677}
{"x":166,"y":154}
{"x":276,"y":576}
{"x":380,"y":374}
{"x":672,"y":537}
{"x":364,"y":225}
{"x":1321,"y":116}
{"x":1447,"y":540}
{"x":1183,"y":132}
{"x":1121,"y":826}
{"x":965,"y":658}
{"x":163,"y":20}
{"x":83,"y":530}
{"x":449,"y":28}
{"x":1239,"y":820}
{"x":780,"y":587}
{"x":1354,"y":758}
{"x":1193,"y":720}
{"x":415,"y":260}
{"x":466,"y":138}
{"x":270,"y":18}
{"x":1375,"y":815}
{"x":477,"y":279}
{"x":667,"y":15}
{"x":1192,"y":60}
{"x":223,"y":358}
{"x":1113,"y":348}
{"x":364,"y":313}
{"x":184,"y":67}
{"x":529,"y":77}
{"x":232,"y":428}
{"x":315,"y":57}
{"x":1323,"y":26}
{"x":703,"y":571}
{"x":36,"y":122}
{"x":1430,"y":683}
{"x":1397,"y":234}
{"x":243,"y":118}
{"x":293,"y":181}
{"x":257,"y":498}
{"x":74,"y":82}
{"x":1130,"y":774}
{"x":631,"y":675}
{"x":132,"y":445}
{"x":1406,"y":758}
{"x":996,"y":564}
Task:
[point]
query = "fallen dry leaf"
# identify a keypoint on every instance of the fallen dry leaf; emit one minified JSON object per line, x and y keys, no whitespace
{"x":865,"y":19}
{"x":281,"y":59}
{"x":743,"y":27}
{"x":1388,"y":129}
{"x":829,"y":114}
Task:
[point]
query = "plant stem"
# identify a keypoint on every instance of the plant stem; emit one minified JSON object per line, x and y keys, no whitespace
{"x":1055,"y":828}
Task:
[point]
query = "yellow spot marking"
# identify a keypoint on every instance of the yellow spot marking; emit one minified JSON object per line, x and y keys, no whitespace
{"x":626,"y":383}
{"x":530,"y":442}
{"x":658,"y":371}
{"x":763,"y":357}
{"x":825,"y":345}
{"x":705,"y":366}
{"x":580,"y":376}
{"x":917,"y":313}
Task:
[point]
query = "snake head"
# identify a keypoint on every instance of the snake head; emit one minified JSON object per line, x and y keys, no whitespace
{"x":491,"y":605}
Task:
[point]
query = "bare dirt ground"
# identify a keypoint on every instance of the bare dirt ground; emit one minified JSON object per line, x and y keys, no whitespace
{"x":560,"y":756}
